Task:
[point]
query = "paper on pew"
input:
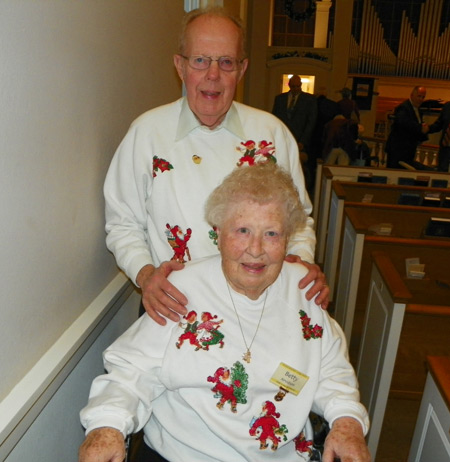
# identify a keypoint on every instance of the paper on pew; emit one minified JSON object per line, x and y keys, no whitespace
{"x":381,"y":229}
{"x":414,"y":269}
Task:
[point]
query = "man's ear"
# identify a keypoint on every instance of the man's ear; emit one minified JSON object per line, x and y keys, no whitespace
{"x":178,"y":61}
{"x":243,"y":68}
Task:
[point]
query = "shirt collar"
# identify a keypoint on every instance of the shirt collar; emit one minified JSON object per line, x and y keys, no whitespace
{"x":187,"y":122}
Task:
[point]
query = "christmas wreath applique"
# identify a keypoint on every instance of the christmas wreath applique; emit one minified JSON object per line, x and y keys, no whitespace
{"x":309,"y":331}
{"x":160,"y":165}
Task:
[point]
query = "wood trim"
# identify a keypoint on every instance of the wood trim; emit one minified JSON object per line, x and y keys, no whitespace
{"x":353,"y":216}
{"x":392,"y":186}
{"x":392,"y":279}
{"x":400,"y":207}
{"x":424,"y":242}
{"x":430,"y":310}
{"x":440,"y":370}
{"x":338,"y":189}
{"x":327,"y":173}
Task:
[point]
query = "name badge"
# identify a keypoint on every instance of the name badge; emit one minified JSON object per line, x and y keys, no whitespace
{"x":289,"y":380}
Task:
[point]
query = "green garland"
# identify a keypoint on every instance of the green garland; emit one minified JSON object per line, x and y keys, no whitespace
{"x":299,"y":17}
{"x":296,"y":54}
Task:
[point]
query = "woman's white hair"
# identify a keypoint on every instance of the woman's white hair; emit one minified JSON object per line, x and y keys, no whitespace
{"x":262,"y":183}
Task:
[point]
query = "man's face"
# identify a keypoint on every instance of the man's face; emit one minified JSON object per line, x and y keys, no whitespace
{"x":295,"y":85}
{"x":418,"y":96}
{"x":210,"y":92}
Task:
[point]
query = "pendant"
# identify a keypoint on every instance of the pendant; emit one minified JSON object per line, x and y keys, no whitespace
{"x":281,"y":394}
{"x":247,"y":356}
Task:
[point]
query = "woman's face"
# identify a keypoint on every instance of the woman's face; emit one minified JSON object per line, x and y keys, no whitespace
{"x":252,"y":242}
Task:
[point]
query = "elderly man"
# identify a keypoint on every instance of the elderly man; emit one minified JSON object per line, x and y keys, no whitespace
{"x":175,"y":155}
{"x":224,"y":384}
{"x":407,"y":131}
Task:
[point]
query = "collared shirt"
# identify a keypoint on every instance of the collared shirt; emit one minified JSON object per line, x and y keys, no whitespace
{"x":188,"y":122}
{"x":166,"y":167}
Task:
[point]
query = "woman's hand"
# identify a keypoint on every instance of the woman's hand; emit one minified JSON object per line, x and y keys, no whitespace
{"x":315,"y":274}
{"x":346,"y":442}
{"x":103,"y":445}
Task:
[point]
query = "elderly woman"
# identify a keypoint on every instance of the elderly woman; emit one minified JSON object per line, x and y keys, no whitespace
{"x":237,"y":379}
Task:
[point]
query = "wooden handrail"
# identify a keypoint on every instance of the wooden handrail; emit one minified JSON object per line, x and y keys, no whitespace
{"x":440,"y":370}
{"x":393,"y":280}
{"x":430,"y":310}
{"x":391,"y":186}
{"x":409,"y":241}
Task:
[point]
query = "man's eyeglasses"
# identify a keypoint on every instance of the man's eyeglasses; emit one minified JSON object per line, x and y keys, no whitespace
{"x":201,"y":63}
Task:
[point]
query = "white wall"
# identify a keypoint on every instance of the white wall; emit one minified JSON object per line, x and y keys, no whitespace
{"x":73,"y":76}
{"x":50,"y":429}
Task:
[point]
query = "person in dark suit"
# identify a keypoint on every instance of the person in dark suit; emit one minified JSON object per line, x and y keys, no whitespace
{"x":443,"y":123}
{"x":327,"y":109}
{"x":407,"y":131}
{"x":298,"y":110}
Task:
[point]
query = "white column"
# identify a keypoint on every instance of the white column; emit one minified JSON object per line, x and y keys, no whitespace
{"x":321,"y":26}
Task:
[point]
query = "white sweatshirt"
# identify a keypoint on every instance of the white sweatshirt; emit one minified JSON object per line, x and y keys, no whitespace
{"x":172,"y":379}
{"x":165,"y":169}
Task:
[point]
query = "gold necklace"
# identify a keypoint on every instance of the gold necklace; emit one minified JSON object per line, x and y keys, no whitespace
{"x":247,"y":356}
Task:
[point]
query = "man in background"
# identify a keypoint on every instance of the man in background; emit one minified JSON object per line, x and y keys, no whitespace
{"x":298,"y":110}
{"x":348,"y":107}
{"x":443,"y":123}
{"x":407,"y":131}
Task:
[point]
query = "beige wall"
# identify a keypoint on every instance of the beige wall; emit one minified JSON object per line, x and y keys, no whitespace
{"x":73,"y":77}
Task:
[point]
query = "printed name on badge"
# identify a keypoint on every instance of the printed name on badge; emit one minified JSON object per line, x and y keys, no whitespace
{"x":289,"y":380}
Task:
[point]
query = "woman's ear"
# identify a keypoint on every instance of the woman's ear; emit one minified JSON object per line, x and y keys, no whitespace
{"x":218,"y":237}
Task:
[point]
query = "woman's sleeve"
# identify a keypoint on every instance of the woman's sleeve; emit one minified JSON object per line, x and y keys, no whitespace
{"x":122,"y":397}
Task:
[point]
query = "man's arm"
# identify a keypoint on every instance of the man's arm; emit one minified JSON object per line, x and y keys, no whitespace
{"x":301,"y":245}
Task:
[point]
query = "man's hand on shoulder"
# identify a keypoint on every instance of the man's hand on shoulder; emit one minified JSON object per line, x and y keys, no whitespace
{"x":319,"y":289}
{"x":160,"y":298}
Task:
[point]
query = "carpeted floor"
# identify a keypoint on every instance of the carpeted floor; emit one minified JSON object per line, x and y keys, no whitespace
{"x":398,"y":429}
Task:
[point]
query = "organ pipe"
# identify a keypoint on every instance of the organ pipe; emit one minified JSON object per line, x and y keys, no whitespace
{"x":425,"y":55}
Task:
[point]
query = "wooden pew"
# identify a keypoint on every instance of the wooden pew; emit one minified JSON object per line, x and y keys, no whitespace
{"x":352,"y":193}
{"x":325,"y":174}
{"x":433,"y":420}
{"x":358,"y":241}
{"x":406,"y":320}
